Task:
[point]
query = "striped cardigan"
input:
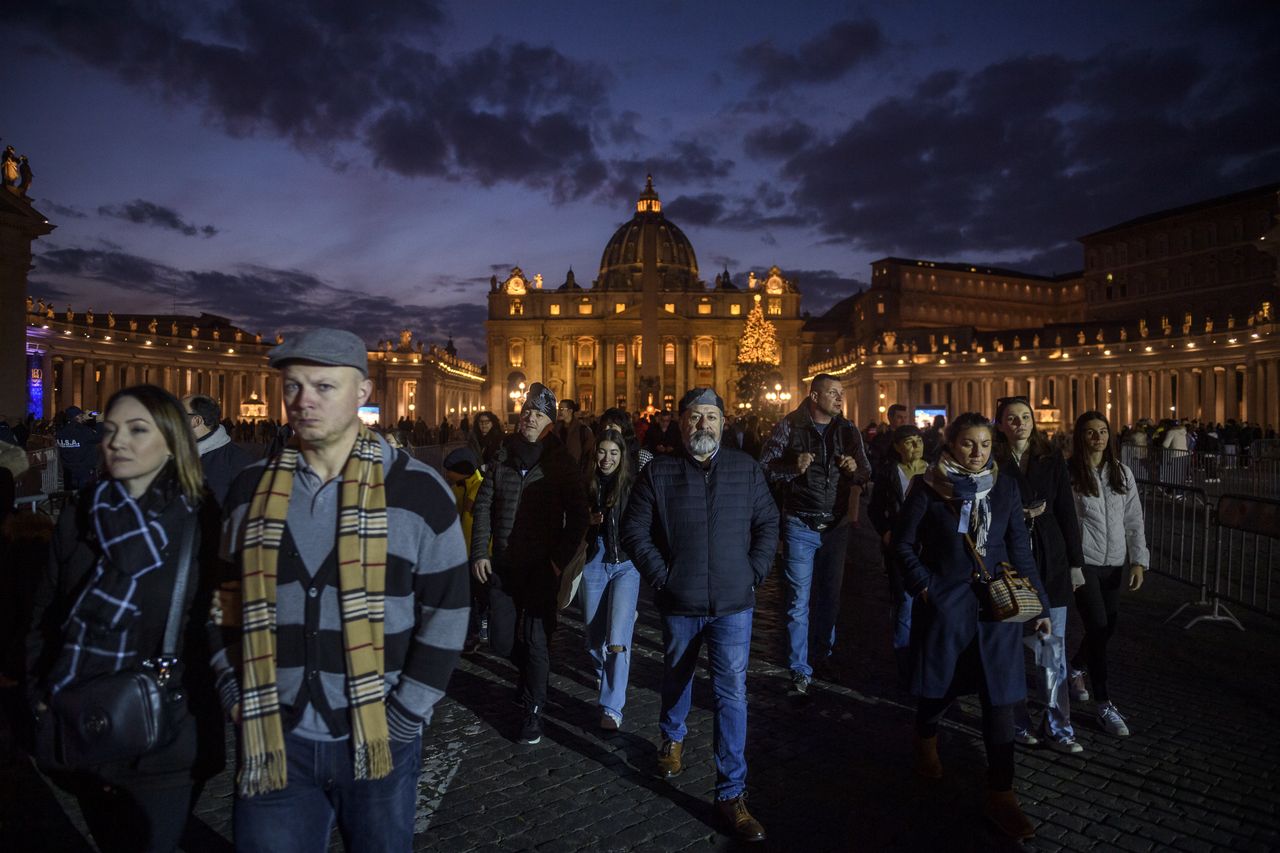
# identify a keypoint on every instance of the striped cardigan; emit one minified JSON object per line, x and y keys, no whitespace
{"x":427,"y":605}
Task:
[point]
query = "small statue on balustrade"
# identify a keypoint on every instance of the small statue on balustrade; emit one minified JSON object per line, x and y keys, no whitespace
{"x":1017,"y":342}
{"x":133,"y":324}
{"x":111,"y":319}
{"x":88,"y":317}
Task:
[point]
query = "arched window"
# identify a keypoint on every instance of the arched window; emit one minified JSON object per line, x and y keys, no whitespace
{"x":517,"y":307}
{"x":704,"y":352}
{"x":515,"y":353}
{"x":669,"y":354}
{"x":586,"y":352}
{"x":620,"y":355}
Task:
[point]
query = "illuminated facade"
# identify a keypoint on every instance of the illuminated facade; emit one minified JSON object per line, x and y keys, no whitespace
{"x":646,"y":330}
{"x":81,"y":359}
{"x":1174,"y":315}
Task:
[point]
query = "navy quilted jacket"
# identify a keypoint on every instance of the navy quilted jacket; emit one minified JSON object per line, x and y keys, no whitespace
{"x":705,"y":539}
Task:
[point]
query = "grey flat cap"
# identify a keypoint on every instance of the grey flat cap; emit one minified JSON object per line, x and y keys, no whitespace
{"x":337,"y":347}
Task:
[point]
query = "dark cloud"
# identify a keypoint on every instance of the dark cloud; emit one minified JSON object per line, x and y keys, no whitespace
{"x":844,"y":46}
{"x":322,"y":74}
{"x":1024,"y":154}
{"x":66,"y":211}
{"x":145,"y":212}
{"x":823,"y":288}
{"x":704,"y":209}
{"x":686,"y":162}
{"x":260,"y":298}
{"x":777,"y":141}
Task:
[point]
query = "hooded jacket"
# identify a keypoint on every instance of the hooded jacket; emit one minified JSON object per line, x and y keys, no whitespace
{"x":822,"y":491}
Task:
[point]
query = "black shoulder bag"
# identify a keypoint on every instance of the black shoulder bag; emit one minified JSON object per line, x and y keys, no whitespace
{"x":127,"y":714}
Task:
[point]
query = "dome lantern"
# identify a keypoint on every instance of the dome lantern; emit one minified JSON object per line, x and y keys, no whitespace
{"x":649,"y":201}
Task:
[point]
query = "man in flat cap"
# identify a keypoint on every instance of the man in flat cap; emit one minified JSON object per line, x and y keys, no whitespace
{"x":345,"y":620}
{"x":702,"y":528}
{"x":530,"y":517}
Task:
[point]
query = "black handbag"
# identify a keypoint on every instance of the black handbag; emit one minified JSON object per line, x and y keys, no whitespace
{"x":124,"y":715}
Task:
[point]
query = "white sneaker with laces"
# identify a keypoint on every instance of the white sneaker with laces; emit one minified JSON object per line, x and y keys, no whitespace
{"x":1065,"y":744}
{"x":1025,"y":738}
{"x":1111,"y":721}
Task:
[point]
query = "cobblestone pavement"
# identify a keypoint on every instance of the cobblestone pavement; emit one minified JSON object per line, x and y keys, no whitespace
{"x":1198,"y":773}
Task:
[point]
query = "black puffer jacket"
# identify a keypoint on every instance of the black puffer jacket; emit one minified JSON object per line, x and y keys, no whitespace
{"x":531,"y":519}
{"x":705,"y":538}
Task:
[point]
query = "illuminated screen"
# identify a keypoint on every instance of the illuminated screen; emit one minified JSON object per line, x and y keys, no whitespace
{"x":925,"y":416}
{"x":370,"y":415}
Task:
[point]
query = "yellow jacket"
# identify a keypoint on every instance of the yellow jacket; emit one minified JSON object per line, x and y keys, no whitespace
{"x":466,"y":495}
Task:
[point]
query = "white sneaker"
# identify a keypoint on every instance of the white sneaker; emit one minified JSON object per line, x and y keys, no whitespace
{"x":1111,"y":721}
{"x":1066,"y":744}
{"x":1025,"y":738}
{"x":1075,"y":683}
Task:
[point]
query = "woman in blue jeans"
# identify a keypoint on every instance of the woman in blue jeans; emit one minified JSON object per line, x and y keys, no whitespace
{"x":610,"y":582}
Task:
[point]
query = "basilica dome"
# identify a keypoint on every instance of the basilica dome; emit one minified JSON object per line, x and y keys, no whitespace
{"x":622,"y":263}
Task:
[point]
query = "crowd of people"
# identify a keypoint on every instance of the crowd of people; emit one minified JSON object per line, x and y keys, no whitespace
{"x":322,"y":594}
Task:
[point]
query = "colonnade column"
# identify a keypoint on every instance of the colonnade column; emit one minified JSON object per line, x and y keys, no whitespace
{"x":1230,"y":409}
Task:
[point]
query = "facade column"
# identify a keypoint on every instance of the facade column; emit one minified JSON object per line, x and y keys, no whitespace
{"x":1272,"y":394}
{"x":633,"y":398}
{"x":1230,"y":408}
{"x":1166,"y":393}
{"x":610,"y":372}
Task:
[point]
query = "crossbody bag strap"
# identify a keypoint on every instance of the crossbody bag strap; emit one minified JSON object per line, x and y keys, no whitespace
{"x":174,"y":623}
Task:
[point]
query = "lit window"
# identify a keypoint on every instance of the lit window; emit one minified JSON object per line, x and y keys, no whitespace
{"x":704,"y":307}
{"x":705,"y":353}
{"x":584,"y":307}
{"x":670,"y":308}
{"x":735,"y":309}
{"x":669,"y":354}
{"x":515,"y":353}
{"x":619,"y":307}
{"x":586,"y":352}
{"x":879,"y":307}
{"x":517,"y":308}
{"x":620,"y":355}
{"x":555,"y":310}
{"x":775,"y":306}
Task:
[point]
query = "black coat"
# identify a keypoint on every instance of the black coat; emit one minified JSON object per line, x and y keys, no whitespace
{"x":222,"y":464}
{"x":704,"y":538}
{"x":934,"y":556}
{"x":198,"y":751}
{"x":1055,"y":533}
{"x":530,"y":521}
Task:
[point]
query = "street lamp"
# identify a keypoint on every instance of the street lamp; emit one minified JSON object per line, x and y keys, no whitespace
{"x":518,"y":395}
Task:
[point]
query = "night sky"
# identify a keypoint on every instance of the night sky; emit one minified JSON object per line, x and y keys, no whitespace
{"x":294,"y":163}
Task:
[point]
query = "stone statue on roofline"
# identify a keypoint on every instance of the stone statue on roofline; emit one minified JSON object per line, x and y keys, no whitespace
{"x":133,"y":324}
{"x":88,"y":317}
{"x":70,"y":315}
{"x":1143,"y":331}
{"x":1124,"y":334}
{"x":152,"y":326}
{"x":1017,"y":342}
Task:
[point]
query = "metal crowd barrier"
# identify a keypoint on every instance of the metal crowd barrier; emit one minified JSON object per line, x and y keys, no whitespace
{"x":1214,"y":473}
{"x":1225,"y":548}
{"x":434,"y":454}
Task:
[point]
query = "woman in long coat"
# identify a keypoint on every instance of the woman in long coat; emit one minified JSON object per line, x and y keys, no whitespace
{"x":954,"y":648}
{"x":111,"y":576}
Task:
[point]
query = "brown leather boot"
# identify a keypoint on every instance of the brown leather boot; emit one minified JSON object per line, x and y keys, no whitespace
{"x":928,"y":764}
{"x":1006,"y":815}
{"x":670,"y":758}
{"x":744,"y":826}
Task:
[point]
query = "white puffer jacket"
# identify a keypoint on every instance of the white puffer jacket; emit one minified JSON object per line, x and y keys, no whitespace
{"x":1111,"y":524}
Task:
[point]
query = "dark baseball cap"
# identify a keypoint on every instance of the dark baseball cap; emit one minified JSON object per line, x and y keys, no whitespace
{"x":336,"y":347}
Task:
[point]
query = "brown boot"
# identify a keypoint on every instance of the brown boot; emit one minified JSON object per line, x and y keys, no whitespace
{"x":928,"y":764}
{"x":670,"y":758}
{"x":1006,"y":815}
{"x":743,"y":825}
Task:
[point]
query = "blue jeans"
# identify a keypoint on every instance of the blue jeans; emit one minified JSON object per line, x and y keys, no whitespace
{"x":728,"y":641}
{"x":900,"y":617}
{"x":609,"y":593}
{"x":1057,"y":717}
{"x":814,"y":564}
{"x":373,"y":815}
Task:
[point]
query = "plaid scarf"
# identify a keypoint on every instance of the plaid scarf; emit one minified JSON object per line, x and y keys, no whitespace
{"x":100,"y":631}
{"x":362,"y":563}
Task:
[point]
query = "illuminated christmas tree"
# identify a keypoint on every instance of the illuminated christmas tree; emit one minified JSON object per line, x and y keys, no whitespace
{"x":758,"y":356}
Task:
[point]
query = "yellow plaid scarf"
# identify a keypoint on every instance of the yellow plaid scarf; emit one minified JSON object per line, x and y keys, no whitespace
{"x":362,"y":564}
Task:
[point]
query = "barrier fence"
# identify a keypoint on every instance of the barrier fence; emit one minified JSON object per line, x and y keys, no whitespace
{"x":1216,"y":474}
{"x":1226,"y":548}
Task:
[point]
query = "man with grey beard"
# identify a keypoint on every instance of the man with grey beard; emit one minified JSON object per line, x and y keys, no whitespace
{"x":680,"y":506}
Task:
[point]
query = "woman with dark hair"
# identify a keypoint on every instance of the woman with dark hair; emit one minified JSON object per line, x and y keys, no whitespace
{"x":892,"y":480}
{"x":610,"y":581}
{"x":103,"y":605}
{"x":485,"y":437}
{"x":1023,"y":452}
{"x":1114,"y":544}
{"x":618,"y":420}
{"x":966,"y":512}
